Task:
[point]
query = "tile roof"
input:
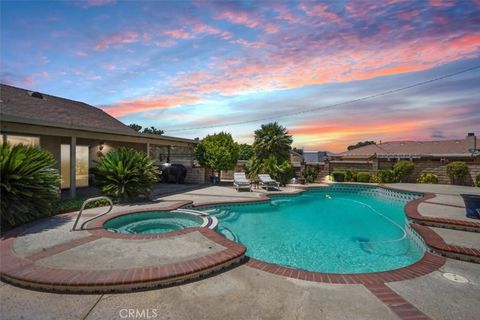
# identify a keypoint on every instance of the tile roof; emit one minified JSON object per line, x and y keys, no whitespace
{"x":439,"y":147}
{"x":17,"y":105}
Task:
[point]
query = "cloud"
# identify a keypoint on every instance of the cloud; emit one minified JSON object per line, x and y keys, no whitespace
{"x":117,"y":39}
{"x":98,"y":3}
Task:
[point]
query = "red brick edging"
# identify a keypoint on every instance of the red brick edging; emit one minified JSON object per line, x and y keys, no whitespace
{"x":401,"y":307}
{"x":434,"y":241}
{"x":24,"y":272}
{"x":411,"y":210}
{"x":429,"y":263}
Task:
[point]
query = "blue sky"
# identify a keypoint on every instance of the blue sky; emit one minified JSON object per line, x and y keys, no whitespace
{"x":178,"y":65}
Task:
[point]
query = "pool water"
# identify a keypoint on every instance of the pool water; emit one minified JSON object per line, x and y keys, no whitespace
{"x":152,"y":222}
{"x":325,"y":231}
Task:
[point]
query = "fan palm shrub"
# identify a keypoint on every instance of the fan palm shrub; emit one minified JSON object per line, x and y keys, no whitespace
{"x":125,"y":174}
{"x":272,"y":139}
{"x":29,"y":184}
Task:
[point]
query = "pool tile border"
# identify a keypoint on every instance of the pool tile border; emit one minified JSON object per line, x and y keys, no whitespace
{"x":429,"y":263}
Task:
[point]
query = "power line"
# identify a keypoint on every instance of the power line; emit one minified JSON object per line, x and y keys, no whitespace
{"x":293,"y":113}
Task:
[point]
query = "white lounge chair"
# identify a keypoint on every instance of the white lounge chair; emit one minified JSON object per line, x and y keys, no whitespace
{"x":268,"y":182}
{"x":241,"y":181}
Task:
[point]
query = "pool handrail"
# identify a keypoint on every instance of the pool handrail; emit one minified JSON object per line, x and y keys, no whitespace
{"x":95,"y":217}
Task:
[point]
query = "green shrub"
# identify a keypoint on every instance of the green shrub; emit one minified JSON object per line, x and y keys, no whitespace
{"x":310,"y":173}
{"x":403,"y":169}
{"x":69,"y":205}
{"x":338,"y":176}
{"x":363,"y":177}
{"x":386,"y":176}
{"x":279,"y":171}
{"x":124,"y":174}
{"x":427,"y":177}
{"x":374,"y":178}
{"x":350,"y":175}
{"x":477,"y":180}
{"x":29,"y":184}
{"x":457,"y":171}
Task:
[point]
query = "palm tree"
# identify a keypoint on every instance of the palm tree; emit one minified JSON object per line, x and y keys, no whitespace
{"x":272,"y":140}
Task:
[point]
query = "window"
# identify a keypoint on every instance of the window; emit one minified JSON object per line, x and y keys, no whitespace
{"x":81,"y":174}
{"x":25,"y":140}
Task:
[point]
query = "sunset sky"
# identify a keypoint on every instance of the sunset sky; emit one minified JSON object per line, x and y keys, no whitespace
{"x":180,"y":65}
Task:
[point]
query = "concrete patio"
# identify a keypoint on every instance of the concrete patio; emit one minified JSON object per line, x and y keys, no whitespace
{"x":243,"y":292}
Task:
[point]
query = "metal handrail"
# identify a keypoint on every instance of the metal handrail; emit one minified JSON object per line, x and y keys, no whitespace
{"x":98,"y":215}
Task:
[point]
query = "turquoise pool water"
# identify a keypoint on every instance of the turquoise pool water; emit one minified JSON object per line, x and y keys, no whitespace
{"x":152,"y":222}
{"x":330,"y":230}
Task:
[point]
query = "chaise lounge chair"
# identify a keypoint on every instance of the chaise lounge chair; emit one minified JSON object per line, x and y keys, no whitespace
{"x":266,"y":181}
{"x":241,"y":181}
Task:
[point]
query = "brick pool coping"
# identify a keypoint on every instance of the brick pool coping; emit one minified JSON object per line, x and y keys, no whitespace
{"x":23,"y":271}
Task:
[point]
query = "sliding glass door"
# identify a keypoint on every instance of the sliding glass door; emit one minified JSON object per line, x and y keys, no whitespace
{"x":81,"y":173}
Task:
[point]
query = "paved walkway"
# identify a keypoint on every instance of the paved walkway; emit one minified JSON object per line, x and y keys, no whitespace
{"x":248,"y":291}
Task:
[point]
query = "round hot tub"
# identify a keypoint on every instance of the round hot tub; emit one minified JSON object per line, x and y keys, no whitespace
{"x":154,"y":222}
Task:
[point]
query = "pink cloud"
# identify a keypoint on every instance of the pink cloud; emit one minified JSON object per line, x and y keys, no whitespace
{"x":247,"y":20}
{"x":98,"y":3}
{"x":117,"y":39}
{"x":129,"y":106}
{"x":441,"y":3}
{"x":321,"y":10}
{"x":178,"y":34}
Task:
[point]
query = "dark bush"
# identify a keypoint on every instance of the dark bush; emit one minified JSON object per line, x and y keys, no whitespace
{"x":69,"y":205}
{"x":350,"y":175}
{"x":386,"y":176}
{"x":403,"y":169}
{"x":477,"y":180}
{"x":363,"y":177}
{"x":457,"y":171}
{"x":427,"y":177}
{"x":310,"y":173}
{"x":29,"y":184}
{"x":338,"y":176}
{"x":124,"y":174}
{"x":374,"y":178}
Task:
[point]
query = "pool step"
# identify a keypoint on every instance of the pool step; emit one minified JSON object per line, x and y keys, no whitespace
{"x":455,"y":250}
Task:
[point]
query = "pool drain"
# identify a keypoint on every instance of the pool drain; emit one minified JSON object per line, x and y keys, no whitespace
{"x":455,"y":277}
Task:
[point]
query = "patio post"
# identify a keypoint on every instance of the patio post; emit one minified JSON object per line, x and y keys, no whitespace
{"x":73,"y":166}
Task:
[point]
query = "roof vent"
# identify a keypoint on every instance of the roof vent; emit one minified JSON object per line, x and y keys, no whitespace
{"x":37,"y":95}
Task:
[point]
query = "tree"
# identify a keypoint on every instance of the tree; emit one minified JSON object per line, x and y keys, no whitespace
{"x":272,"y":139}
{"x":245,"y":151}
{"x":271,"y":153}
{"x":360,"y":144}
{"x":135,"y":127}
{"x":217,"y":152}
{"x":151,"y":130}
{"x":403,"y":169}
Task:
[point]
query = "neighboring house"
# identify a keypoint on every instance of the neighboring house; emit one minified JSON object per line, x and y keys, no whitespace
{"x":75,"y":130}
{"x":428,"y":156}
{"x":316,"y":157}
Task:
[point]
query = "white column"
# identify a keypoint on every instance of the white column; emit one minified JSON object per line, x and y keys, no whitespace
{"x":73,"y":167}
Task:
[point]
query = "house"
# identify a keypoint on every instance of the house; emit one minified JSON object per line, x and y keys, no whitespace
{"x":428,"y":156}
{"x":316,"y":157}
{"x":78,"y":134}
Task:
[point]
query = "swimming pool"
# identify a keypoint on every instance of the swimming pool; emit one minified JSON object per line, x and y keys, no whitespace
{"x":340,"y":229}
{"x":153,"y":222}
